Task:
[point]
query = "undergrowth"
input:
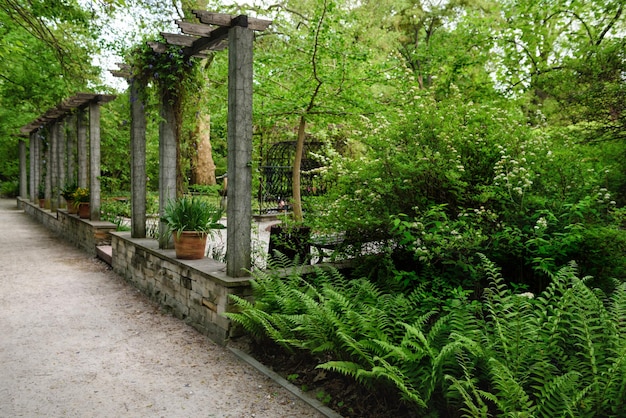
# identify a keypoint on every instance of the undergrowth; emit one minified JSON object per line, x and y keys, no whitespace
{"x":561,"y":353}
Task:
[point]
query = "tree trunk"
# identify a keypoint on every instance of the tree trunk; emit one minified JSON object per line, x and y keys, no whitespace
{"x":202,"y":164}
{"x":297,"y":164}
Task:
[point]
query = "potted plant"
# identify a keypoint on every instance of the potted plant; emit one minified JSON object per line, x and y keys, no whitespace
{"x":68,"y":194}
{"x":41,"y":196}
{"x":81,"y":201}
{"x":191,"y":219}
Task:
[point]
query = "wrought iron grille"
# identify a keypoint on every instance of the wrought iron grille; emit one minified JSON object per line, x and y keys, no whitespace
{"x":275,"y":188}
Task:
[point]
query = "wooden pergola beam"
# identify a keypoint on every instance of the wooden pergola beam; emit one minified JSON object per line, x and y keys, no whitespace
{"x":194,"y":29}
{"x":177,"y":39}
{"x":222,"y":19}
{"x":200,"y":44}
{"x":160,"y":48}
{"x":64,"y":108}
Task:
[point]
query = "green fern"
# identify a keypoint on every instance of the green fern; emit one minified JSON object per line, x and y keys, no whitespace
{"x":562,"y":353}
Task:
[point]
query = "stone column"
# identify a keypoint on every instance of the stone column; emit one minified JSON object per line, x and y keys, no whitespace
{"x":46,"y":170}
{"x":38,"y":163}
{"x":83,"y":163}
{"x":71,"y":149}
{"x":62,"y":158}
{"x":31,"y":154}
{"x":138,"y":163}
{"x":23,"y":170}
{"x":167,"y":167}
{"x":53,"y":171}
{"x":239,"y":208}
{"x":94,"y":160}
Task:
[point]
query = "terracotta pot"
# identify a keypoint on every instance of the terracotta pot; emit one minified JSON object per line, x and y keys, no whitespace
{"x":189,"y":245}
{"x":71,"y":207}
{"x":83,"y":211}
{"x":42,"y":203}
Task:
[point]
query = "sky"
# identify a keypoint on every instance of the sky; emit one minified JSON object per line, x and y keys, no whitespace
{"x":127,"y":27}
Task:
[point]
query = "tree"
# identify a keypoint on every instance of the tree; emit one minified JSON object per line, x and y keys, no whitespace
{"x":536,"y":40}
{"x":326,"y":82}
{"x":44,"y":56}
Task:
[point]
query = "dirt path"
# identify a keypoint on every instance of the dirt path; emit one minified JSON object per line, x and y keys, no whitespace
{"x":77,"y":341}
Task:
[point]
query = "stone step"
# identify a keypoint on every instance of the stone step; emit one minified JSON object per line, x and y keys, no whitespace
{"x":105,"y":253}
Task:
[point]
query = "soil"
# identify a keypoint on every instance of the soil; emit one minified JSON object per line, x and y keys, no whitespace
{"x":340,"y":393}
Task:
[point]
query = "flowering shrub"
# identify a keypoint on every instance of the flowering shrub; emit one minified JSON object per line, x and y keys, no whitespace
{"x":459,"y":178}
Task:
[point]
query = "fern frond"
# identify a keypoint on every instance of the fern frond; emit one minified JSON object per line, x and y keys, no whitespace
{"x":555,"y":395}
{"x":511,"y":398}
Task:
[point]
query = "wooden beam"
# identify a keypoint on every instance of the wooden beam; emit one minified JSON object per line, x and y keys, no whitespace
{"x":66,"y":107}
{"x":120,"y":73}
{"x":193,"y":28}
{"x":222,"y":19}
{"x":204,"y":43}
{"x":176,"y":39}
{"x":158,"y":47}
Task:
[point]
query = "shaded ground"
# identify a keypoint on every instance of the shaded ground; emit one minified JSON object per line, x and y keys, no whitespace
{"x":338,"y":392}
{"x":77,"y":341}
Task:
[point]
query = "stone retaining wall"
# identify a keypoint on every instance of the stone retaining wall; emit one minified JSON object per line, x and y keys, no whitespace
{"x":196,"y":291}
{"x":83,"y":233}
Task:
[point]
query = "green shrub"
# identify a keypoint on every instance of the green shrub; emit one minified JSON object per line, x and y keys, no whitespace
{"x":10,"y":188}
{"x":208,"y":190}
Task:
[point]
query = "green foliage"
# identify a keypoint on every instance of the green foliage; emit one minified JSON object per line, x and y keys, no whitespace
{"x":192,"y":213}
{"x":208,"y":190}
{"x":116,"y":211}
{"x":169,"y":70}
{"x":68,"y":191}
{"x":9,"y":189}
{"x":81,"y":194}
{"x":562,"y":353}
{"x":45,"y":56}
{"x":449,"y":182}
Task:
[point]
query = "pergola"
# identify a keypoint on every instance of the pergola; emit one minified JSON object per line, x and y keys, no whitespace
{"x":216,"y":31}
{"x":70,"y":158}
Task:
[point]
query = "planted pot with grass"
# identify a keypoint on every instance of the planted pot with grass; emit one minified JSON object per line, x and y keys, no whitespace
{"x":191,"y":219}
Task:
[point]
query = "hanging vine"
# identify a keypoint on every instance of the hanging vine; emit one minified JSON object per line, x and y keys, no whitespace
{"x":175,"y":77}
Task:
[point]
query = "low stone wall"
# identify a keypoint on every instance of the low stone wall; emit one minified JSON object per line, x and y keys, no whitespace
{"x":83,"y":233}
{"x":196,"y":291}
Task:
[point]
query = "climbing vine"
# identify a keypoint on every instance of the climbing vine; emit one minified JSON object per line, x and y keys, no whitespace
{"x":174,"y":77}
{"x":171,"y":72}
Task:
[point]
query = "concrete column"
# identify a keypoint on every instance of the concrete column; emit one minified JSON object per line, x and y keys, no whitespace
{"x":31,"y":166}
{"x":46,"y":170}
{"x":239,"y":210}
{"x":167,"y":167}
{"x":38,"y":163}
{"x":94,"y":160}
{"x":62,"y":158}
{"x":55,"y":193}
{"x":138,"y":163}
{"x":71,"y":149}
{"x":83,"y":163}
{"x":23,"y":170}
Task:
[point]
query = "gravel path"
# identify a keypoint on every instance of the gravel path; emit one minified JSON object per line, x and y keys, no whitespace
{"x":77,"y":341}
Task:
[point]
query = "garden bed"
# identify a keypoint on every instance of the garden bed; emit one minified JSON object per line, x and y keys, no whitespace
{"x":340,"y":393}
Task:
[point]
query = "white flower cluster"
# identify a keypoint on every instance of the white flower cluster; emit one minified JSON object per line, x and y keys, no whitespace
{"x":542,"y":224}
{"x":604,"y":197}
{"x":511,"y":172}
